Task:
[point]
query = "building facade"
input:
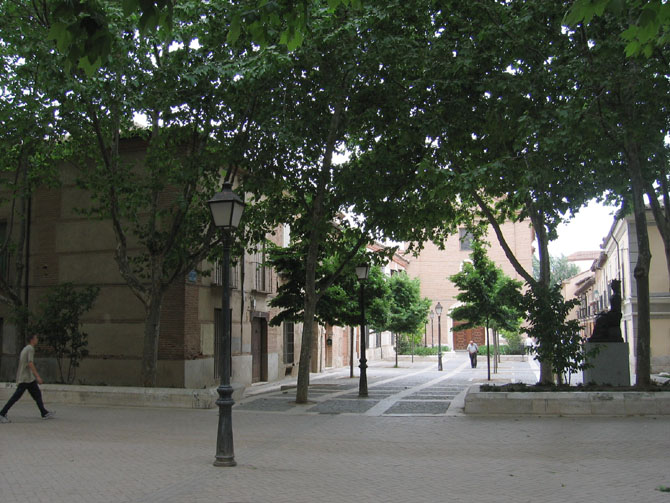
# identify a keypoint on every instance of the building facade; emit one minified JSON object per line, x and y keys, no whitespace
{"x":617,"y":261}
{"x":435,"y":264}
{"x":64,"y":245}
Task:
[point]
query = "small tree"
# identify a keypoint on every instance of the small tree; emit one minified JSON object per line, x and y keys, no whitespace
{"x":408,"y":311}
{"x":489,"y":297}
{"x":559,"y":339}
{"x":58,"y":320}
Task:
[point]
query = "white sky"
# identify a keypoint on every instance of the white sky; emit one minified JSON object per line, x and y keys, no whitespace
{"x":584,"y":232}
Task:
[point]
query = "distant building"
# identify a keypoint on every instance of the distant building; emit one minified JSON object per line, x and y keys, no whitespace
{"x":434,"y":265}
{"x":617,"y":261}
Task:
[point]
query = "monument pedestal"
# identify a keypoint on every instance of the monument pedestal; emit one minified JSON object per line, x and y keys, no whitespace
{"x":610,"y":365}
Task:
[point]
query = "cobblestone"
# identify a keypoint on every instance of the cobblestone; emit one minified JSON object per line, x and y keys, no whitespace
{"x":147,"y":455}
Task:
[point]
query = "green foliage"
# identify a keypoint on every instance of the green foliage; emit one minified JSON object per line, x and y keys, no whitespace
{"x":514,"y":343}
{"x":339,"y":303}
{"x":503,"y":349}
{"x":488,"y":297}
{"x":408,"y":311}
{"x":647,"y":21}
{"x":58,"y":320}
{"x":559,"y":339}
{"x":561,"y":269}
{"x":419,"y":350}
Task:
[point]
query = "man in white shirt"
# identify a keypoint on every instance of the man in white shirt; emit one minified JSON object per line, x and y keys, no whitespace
{"x":27,"y":378}
{"x":472,"y":351}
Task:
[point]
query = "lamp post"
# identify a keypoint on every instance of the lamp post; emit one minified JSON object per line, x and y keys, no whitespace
{"x":226,"y":208}
{"x":362,"y":272}
{"x":438,"y":311}
{"x":432,"y":329}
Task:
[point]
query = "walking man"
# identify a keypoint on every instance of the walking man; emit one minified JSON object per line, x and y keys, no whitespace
{"x":27,"y":378}
{"x":472,"y":351}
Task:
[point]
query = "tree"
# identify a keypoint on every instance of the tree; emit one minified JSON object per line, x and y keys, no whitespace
{"x":503,"y":127}
{"x":488,"y":297}
{"x":347,"y":85}
{"x":151,"y":184}
{"x":408,"y":310}
{"x":645,"y":23}
{"x":29,"y":134}
{"x":339,"y":305}
{"x":83,"y":33}
{"x":59,"y":320}
{"x":628,"y":97}
{"x":562,"y":347}
{"x":561,"y":269}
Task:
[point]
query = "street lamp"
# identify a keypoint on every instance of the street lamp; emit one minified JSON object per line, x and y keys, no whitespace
{"x":226,"y":208}
{"x":362,"y":272}
{"x":432,"y":329}
{"x":438,"y":311}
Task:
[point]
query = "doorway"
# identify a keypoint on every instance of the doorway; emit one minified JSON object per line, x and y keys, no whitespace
{"x":259,"y":349}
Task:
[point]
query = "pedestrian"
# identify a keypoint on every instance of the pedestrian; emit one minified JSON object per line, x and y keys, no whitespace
{"x":528,"y":344}
{"x":27,"y":378}
{"x":472,"y":351}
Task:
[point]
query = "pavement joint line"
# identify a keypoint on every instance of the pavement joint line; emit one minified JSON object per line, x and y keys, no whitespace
{"x":387,"y":403}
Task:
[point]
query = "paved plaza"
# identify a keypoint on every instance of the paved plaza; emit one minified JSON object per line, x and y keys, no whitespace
{"x":408,"y":442}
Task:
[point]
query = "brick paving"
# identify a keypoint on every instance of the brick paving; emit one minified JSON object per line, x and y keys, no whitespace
{"x":106,"y":454}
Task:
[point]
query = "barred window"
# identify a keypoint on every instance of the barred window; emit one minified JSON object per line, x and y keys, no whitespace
{"x":289,"y":329}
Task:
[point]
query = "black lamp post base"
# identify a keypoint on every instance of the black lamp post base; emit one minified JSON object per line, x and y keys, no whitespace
{"x":225,"y":453}
{"x":439,"y":362}
{"x":225,"y":462}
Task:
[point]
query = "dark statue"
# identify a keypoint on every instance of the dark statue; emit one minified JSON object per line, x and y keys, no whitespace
{"x":608,"y":323}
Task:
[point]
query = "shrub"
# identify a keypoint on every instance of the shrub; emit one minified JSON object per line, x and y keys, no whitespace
{"x":59,"y":321}
{"x":425,"y":351}
{"x":502,"y":349}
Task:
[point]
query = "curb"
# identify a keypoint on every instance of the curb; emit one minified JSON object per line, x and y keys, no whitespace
{"x":127,"y":396}
{"x":563,"y":403}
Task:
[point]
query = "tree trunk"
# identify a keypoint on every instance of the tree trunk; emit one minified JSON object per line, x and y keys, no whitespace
{"x":488,"y":352}
{"x":309,"y":312}
{"x":151,"y":333}
{"x":661,"y":216}
{"x":641,"y":272}
{"x":538,"y":221}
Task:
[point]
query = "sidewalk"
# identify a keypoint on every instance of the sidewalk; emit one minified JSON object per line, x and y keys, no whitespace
{"x":146,"y":455}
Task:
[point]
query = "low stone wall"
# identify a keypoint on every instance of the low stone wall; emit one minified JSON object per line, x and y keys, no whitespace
{"x":125,"y":396}
{"x":566,"y":403}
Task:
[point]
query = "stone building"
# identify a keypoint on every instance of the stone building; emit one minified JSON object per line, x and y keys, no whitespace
{"x":617,"y":261}
{"x":66,"y":246}
{"x":434,"y":265}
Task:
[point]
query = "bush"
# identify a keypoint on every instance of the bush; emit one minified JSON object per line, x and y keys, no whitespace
{"x":59,"y":321}
{"x":424,"y":351}
{"x":503,"y":350}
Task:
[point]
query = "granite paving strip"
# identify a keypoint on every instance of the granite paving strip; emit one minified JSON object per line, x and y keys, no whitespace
{"x":418,"y":408}
{"x":344,"y":406}
{"x":387,"y":403}
{"x":271,"y":404}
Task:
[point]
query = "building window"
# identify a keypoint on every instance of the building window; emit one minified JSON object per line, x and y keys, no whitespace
{"x":263,"y":281}
{"x":289,"y":342}
{"x":465,"y":239}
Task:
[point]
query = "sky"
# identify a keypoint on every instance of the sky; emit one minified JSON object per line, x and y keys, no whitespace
{"x":584,"y":232}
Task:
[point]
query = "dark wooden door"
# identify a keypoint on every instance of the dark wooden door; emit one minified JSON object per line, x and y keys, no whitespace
{"x":259,"y":350}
